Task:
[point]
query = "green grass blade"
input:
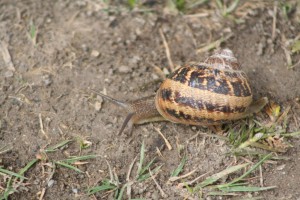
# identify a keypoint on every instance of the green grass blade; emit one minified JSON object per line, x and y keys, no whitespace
{"x":221,"y":174}
{"x":246,"y":189}
{"x":103,"y":187}
{"x":32,"y":31}
{"x":11,"y":173}
{"x":221,"y":194}
{"x":57,"y":146}
{"x":142,"y":157}
{"x":294,"y":134}
{"x":250,"y":170}
{"x":120,"y":195}
{"x":7,"y":192}
{"x":78,"y":158}
{"x":146,"y":167}
{"x":179,"y":169}
{"x":28,"y":166}
{"x":146,"y":176}
{"x":232,"y":7}
{"x":250,"y":141}
{"x":68,"y":166}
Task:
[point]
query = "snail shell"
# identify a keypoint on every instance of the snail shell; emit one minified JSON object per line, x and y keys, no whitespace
{"x":212,"y":92}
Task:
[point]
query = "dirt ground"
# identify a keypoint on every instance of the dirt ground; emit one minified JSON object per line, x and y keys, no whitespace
{"x":61,"y":50}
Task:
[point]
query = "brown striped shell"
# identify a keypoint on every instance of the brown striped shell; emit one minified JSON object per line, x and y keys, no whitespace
{"x":213,"y":92}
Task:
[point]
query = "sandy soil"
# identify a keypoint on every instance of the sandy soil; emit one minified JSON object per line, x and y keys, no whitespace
{"x":81,"y":46}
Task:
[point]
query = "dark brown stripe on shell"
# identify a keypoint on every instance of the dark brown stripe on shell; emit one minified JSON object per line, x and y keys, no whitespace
{"x":181,"y":115}
{"x":180,"y":75}
{"x":214,"y":80}
{"x":240,"y":89}
{"x":219,"y":86}
{"x":198,"y":104}
{"x":166,"y":94}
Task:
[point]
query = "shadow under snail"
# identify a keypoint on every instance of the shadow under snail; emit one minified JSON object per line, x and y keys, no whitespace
{"x":208,"y":93}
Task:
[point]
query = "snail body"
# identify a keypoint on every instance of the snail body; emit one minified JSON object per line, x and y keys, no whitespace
{"x":212,"y":92}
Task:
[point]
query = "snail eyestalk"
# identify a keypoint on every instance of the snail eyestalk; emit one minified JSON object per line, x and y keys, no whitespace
{"x":114,"y":101}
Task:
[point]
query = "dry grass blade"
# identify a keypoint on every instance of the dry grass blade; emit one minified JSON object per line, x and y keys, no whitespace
{"x":274,"y":20}
{"x":167,"y":49}
{"x":175,"y":178}
{"x":42,"y":193}
{"x":286,"y":51}
{"x":163,"y":194}
{"x":42,"y":126}
{"x":165,"y":139}
{"x":214,"y":44}
{"x":6,"y":56}
{"x":180,"y":185}
{"x":221,"y":174}
{"x":130,"y":169}
{"x":5,"y":149}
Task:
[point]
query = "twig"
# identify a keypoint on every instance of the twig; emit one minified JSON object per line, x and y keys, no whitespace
{"x":284,"y":114}
{"x":165,"y":139}
{"x":200,"y":15}
{"x":193,"y":137}
{"x":42,"y":193}
{"x":175,"y":178}
{"x":42,"y":126}
{"x":295,"y":65}
{"x":159,"y":72}
{"x":261,"y":180}
{"x":172,"y":68}
{"x":163,"y":194}
{"x":130,"y":169}
{"x":274,"y":21}
{"x":214,"y":44}
{"x":214,"y":136}
{"x":286,"y":51}
{"x":6,"y":56}
{"x":5,"y":149}
{"x":158,"y":152}
{"x":180,"y":185}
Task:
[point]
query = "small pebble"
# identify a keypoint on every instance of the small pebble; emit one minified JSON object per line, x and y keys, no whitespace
{"x":85,"y":47}
{"x":154,"y":76}
{"x":50,"y":183}
{"x":134,"y":60}
{"x":98,"y":105}
{"x":47,"y":79}
{"x":95,"y":53}
{"x":280,"y":167}
{"x":75,"y":190}
{"x":124,"y":69}
{"x":166,"y":71}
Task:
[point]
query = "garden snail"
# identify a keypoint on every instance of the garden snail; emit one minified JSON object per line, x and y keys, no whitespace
{"x":212,"y":92}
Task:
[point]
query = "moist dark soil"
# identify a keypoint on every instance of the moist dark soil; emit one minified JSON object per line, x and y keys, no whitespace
{"x":79,"y":46}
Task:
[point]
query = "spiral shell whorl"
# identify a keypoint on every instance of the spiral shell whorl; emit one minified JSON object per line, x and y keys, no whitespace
{"x":223,"y":59}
